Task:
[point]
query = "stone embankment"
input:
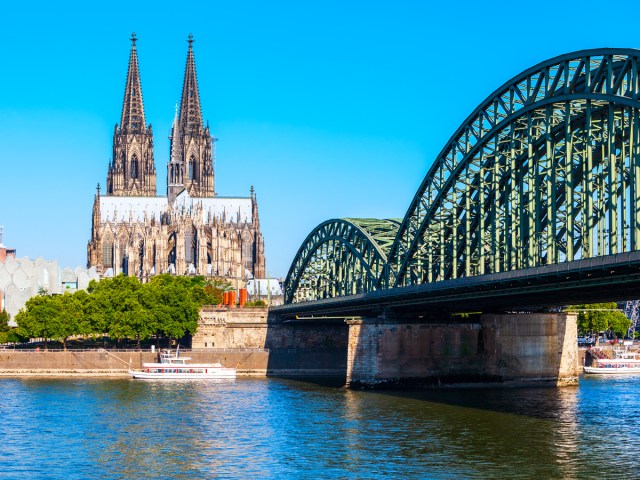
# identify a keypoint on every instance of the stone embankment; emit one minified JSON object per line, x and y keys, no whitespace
{"x":105,"y":363}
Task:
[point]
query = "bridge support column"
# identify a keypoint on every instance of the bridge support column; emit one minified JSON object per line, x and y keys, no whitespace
{"x":532,"y":348}
{"x":510,"y":349}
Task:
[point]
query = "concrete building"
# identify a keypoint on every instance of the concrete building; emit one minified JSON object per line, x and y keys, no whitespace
{"x":23,"y":278}
{"x":190,"y":231}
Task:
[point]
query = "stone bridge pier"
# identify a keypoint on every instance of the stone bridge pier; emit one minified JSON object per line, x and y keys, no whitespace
{"x":514,"y":349}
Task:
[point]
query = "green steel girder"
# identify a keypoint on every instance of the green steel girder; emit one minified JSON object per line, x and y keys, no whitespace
{"x":506,"y":199}
{"x":545,"y":171}
{"x":342,"y":256}
{"x":503,"y":227}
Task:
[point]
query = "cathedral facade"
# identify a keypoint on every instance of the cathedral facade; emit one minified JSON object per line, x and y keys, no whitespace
{"x":190,"y":231}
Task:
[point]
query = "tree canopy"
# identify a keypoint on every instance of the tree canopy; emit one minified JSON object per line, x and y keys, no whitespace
{"x":601,"y":317}
{"x":4,"y":326}
{"x":123,"y":308}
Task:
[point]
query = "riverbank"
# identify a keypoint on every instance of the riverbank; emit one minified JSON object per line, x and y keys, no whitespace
{"x":248,"y":362}
{"x":105,"y":363}
{"x":63,"y":373}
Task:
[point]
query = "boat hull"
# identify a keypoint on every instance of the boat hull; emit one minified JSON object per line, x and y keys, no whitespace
{"x":220,"y":373}
{"x":612,"y":370}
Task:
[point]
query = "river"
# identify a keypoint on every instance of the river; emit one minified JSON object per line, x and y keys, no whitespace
{"x":80,"y":428}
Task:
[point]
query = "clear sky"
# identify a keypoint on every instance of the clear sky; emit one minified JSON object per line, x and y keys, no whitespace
{"x":330,"y":109}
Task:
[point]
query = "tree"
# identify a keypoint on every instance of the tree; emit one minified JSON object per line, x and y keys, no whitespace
{"x":53,"y":317}
{"x":70,"y":319}
{"x":4,"y":326}
{"x":600,"y":317}
{"x":36,"y":320}
{"x":99,"y":306}
{"x":175,"y":302}
{"x":123,"y":308}
{"x":213,"y":290}
{"x":127,"y":315}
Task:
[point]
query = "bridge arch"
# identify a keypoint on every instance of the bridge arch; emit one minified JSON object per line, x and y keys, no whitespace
{"x":545,"y":170}
{"x":340,"y":257}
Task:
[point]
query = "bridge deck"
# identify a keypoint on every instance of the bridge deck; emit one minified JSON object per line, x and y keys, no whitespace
{"x":608,"y":278}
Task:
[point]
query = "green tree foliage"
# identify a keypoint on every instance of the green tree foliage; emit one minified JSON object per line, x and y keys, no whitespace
{"x":4,"y":321}
{"x":122,"y":308}
{"x":213,"y":290}
{"x":35,"y":319}
{"x":119,"y":306}
{"x":176,"y":301}
{"x":4,"y":327}
{"x":53,"y":317}
{"x":257,"y":303}
{"x":67,"y":317}
{"x":600,"y":317}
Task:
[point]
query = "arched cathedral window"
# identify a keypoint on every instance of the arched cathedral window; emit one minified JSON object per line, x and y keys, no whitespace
{"x":107,"y":254}
{"x":171,"y":249}
{"x":124,"y":258}
{"x":134,"y":166}
{"x":247,"y":254}
{"x":192,"y":168}
{"x":141,"y":258}
{"x":190,"y":243}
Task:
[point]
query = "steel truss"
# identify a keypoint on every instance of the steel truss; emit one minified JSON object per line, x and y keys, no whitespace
{"x":340,"y":257}
{"x":632,"y":311}
{"x":545,"y":171}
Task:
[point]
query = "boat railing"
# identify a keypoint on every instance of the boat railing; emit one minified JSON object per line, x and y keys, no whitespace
{"x":598,"y":353}
{"x":625,"y":353}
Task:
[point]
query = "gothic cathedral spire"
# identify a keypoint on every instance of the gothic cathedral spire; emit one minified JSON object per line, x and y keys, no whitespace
{"x":190,"y":111}
{"x":132,"y":119}
{"x":191,"y":163}
{"x":132,"y":170}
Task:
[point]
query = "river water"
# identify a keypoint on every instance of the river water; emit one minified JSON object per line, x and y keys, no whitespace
{"x":269,"y":428}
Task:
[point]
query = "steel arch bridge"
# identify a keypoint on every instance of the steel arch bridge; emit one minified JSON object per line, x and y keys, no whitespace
{"x":340,"y":257}
{"x":545,"y":171}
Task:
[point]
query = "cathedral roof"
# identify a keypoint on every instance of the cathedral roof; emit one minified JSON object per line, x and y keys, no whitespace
{"x":141,"y":209}
{"x":227,"y":209}
{"x":122,"y":209}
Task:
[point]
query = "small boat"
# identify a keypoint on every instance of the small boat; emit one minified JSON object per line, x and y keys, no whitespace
{"x":624,"y":362}
{"x":174,"y":367}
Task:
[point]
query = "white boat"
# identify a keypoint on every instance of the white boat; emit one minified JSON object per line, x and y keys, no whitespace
{"x":624,"y":362}
{"x":174,"y":367}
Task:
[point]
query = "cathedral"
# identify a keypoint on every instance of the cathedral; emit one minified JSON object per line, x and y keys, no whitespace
{"x":190,"y":231}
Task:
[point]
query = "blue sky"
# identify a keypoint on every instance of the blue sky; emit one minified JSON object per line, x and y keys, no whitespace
{"x":330,"y":109}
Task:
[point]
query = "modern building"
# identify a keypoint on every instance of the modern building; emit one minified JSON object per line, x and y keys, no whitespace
{"x":23,"y":278}
{"x":190,"y":231}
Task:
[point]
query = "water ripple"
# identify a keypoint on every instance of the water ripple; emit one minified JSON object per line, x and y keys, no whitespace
{"x":258,"y":428}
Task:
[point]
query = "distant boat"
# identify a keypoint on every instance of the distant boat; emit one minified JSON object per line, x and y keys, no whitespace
{"x":624,"y":362}
{"x":174,"y":367}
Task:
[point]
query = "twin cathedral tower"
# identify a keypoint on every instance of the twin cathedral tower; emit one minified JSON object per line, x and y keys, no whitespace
{"x":191,"y":231}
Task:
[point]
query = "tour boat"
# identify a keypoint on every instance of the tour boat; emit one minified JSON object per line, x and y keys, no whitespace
{"x":174,"y":367}
{"x":624,"y":361}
